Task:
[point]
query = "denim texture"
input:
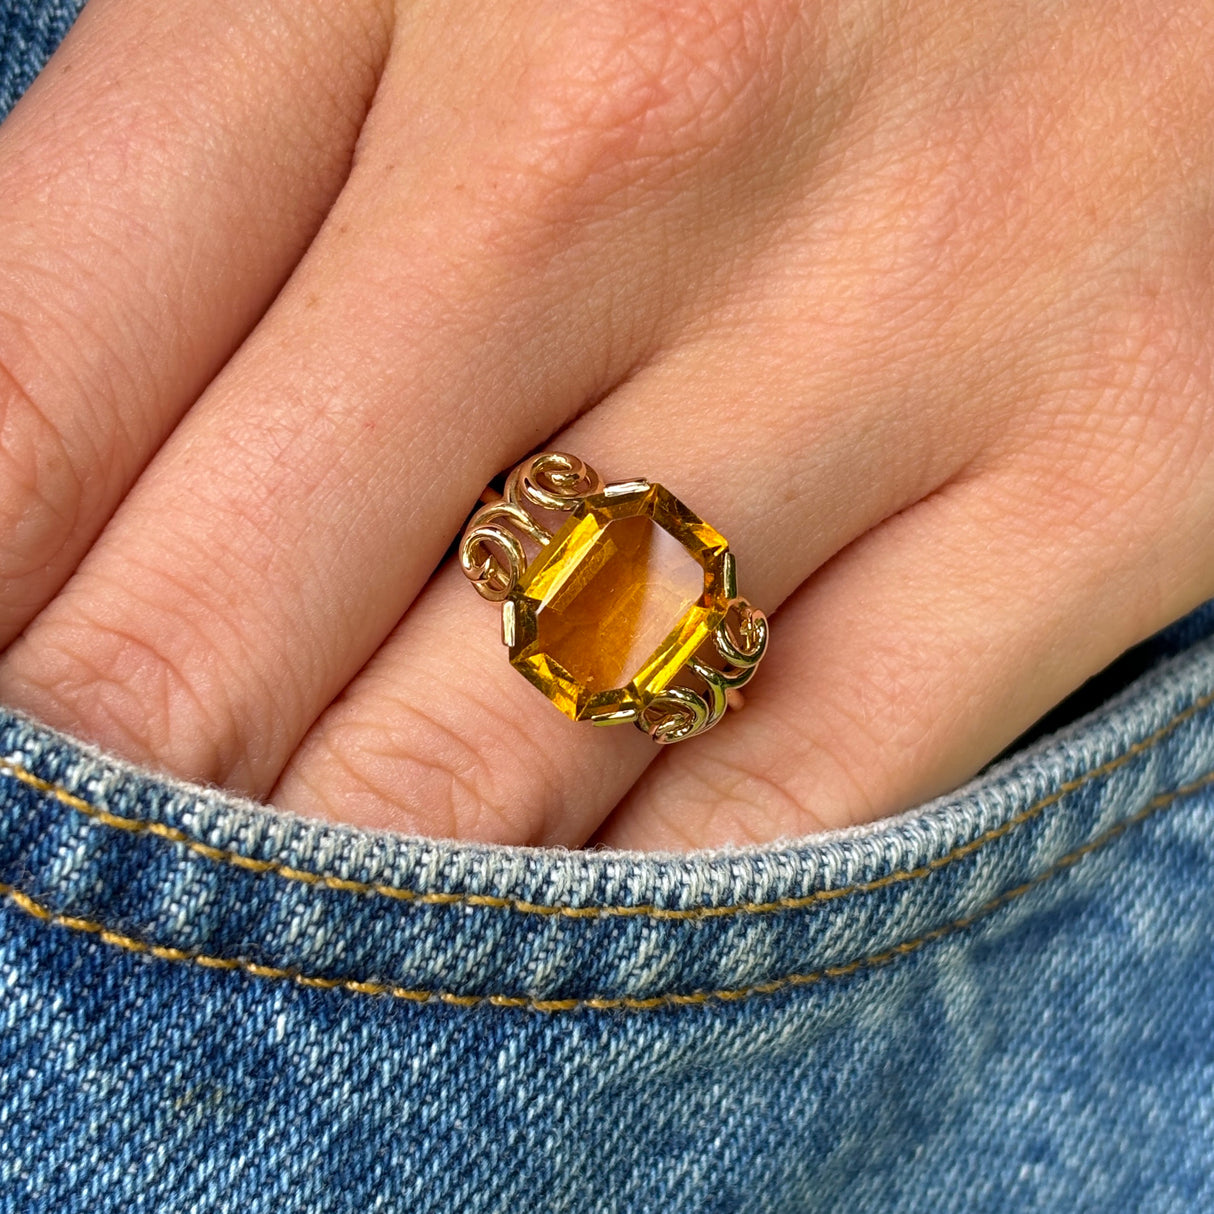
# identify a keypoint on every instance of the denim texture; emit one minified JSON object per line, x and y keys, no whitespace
{"x":1001,"y":1001}
{"x":29,"y":32}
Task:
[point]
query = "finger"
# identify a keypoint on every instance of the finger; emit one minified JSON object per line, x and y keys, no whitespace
{"x":440,"y":736}
{"x":470,"y":291}
{"x":538,"y":789}
{"x":159,"y":181}
{"x":925,"y":649}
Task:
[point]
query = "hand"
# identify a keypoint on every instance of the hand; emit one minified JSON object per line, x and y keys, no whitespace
{"x":913,"y":302}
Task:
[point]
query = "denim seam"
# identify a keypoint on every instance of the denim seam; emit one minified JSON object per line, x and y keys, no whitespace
{"x":434,"y":898}
{"x":630,"y":1003}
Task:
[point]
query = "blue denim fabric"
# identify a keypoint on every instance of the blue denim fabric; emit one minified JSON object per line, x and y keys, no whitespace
{"x":1002,"y":1001}
{"x":29,"y":32}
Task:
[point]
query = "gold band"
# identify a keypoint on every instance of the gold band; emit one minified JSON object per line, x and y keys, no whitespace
{"x":628,"y":611}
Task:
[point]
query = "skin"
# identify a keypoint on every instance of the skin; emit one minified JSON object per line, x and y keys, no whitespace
{"x":913,"y":302}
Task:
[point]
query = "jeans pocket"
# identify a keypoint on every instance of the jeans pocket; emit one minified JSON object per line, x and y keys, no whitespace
{"x":1004,"y":995}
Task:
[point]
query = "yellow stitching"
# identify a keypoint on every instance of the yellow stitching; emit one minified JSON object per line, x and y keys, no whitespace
{"x":306,"y":877}
{"x":613,"y":1003}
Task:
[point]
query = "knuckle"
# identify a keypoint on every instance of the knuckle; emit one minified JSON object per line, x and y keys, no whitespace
{"x":41,"y":500}
{"x":742,"y":795}
{"x":136,"y":676}
{"x":1136,"y":416}
{"x":407,"y":766}
{"x":630,"y":90}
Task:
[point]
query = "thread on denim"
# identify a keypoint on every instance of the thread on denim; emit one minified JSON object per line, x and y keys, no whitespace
{"x":631,"y":1003}
{"x":640,"y":910}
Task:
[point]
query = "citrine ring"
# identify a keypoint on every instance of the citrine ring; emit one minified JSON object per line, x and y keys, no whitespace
{"x":628,"y":610}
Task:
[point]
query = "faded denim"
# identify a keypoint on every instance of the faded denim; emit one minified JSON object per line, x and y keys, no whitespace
{"x":1002,"y":1001}
{"x":29,"y":31}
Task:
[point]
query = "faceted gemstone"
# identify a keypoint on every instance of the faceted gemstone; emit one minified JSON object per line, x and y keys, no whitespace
{"x":618,"y":601}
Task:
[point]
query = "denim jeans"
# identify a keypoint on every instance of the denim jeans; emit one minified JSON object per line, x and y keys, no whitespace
{"x":1001,"y":1001}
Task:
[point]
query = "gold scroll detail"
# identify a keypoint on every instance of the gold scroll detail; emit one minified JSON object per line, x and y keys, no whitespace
{"x":682,"y":712}
{"x":490,"y":554}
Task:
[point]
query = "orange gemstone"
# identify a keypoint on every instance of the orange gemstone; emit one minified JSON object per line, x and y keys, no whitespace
{"x":622,"y":596}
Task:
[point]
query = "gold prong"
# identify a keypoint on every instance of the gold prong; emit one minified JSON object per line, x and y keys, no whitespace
{"x":509,"y":621}
{"x":620,"y":488}
{"x":729,"y":575}
{"x":618,"y":717}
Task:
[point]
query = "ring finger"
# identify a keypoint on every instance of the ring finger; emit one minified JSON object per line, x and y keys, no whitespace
{"x":440,"y":736}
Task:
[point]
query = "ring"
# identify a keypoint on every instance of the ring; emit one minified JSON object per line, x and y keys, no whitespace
{"x":629,"y":611}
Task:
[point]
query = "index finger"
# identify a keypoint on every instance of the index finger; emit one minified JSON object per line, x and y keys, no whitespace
{"x":160,"y":180}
